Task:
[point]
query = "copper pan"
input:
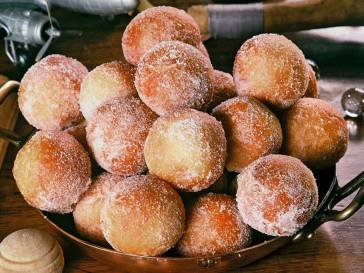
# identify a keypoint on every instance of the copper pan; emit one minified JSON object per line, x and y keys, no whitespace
{"x":329,"y":195}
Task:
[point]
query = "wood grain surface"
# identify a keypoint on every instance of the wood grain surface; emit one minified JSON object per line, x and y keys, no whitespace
{"x":337,"y":247}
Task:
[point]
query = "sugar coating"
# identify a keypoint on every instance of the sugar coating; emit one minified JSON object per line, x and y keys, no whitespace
{"x":156,"y":25}
{"x":312,"y":88}
{"x":106,"y":81}
{"x":87,"y":211}
{"x":173,"y":76}
{"x":52,"y":171}
{"x":143,"y":215}
{"x":187,"y":149}
{"x":251,"y":129}
{"x":271,"y":68}
{"x":214,"y":227}
{"x":277,"y":195}
{"x":79,"y":132}
{"x":203,"y":49}
{"x":49,"y":93}
{"x":116,"y":135}
{"x":315,"y":132}
{"x":223,"y":88}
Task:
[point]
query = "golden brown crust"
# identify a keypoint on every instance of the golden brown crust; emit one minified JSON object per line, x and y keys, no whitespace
{"x":271,"y":68}
{"x":187,"y":149}
{"x":52,"y":171}
{"x":143,"y":215}
{"x":49,"y":93}
{"x":156,"y":25}
{"x":277,"y":195}
{"x":214,"y":227}
{"x":312,"y":88}
{"x":315,"y":132}
{"x":251,"y":129}
{"x":174,"y":76}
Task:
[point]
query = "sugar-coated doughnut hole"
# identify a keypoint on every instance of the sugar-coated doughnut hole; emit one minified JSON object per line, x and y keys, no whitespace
{"x":106,"y":81}
{"x":277,"y":195}
{"x":116,"y":135}
{"x":251,"y":129}
{"x":156,"y":25}
{"x":187,"y":149}
{"x":223,"y":88}
{"x":86,"y":215}
{"x":214,"y":227}
{"x":49,"y":93}
{"x":174,"y":76}
{"x":312,"y":88}
{"x":271,"y":68}
{"x":143,"y":215}
{"x":315,"y":132}
{"x":52,"y":171}
{"x":79,"y":133}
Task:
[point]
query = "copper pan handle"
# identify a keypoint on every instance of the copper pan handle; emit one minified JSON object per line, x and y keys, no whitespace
{"x":330,"y":214}
{"x":5,"y":89}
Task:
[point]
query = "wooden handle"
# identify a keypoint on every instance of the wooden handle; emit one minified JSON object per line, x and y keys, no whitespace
{"x":285,"y":15}
{"x":299,"y":15}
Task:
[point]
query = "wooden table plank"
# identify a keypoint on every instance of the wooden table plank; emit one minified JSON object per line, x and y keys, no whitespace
{"x":337,"y":247}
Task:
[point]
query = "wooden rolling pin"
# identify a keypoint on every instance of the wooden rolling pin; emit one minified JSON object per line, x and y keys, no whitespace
{"x":8,"y":110}
{"x":242,"y":20}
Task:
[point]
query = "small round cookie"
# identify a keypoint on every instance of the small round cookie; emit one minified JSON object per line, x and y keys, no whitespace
{"x":30,"y":250}
{"x":106,"y":81}
{"x":312,"y":88}
{"x":315,"y":132}
{"x":49,"y":93}
{"x":86,"y":215}
{"x":277,"y":195}
{"x":271,"y":68}
{"x":223,"y":88}
{"x":52,"y":171}
{"x":214,"y":227}
{"x":187,"y":149}
{"x":251,"y":129}
{"x":143,"y":215}
{"x":173,"y":76}
{"x":156,"y":25}
{"x":116,"y":135}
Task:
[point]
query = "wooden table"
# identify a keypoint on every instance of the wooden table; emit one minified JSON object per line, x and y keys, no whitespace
{"x":337,"y":247}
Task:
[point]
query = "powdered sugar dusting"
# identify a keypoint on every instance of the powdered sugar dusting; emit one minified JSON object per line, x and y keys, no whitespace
{"x":116,"y":134}
{"x":214,"y":227}
{"x":107,"y":81}
{"x":271,"y":68}
{"x":252,"y":131}
{"x":156,"y":25}
{"x":143,"y":215}
{"x":52,"y":171}
{"x":49,"y":93}
{"x":174,"y":76}
{"x":277,"y":195}
{"x":187,"y":149}
{"x":315,"y":132}
{"x":223,"y":88}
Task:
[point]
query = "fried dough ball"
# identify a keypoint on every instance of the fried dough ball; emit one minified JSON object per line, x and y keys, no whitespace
{"x":143,"y":216}
{"x":156,"y":25}
{"x":223,"y":88}
{"x":86,"y":215}
{"x":79,"y":132}
{"x":214,"y":227}
{"x":315,"y":132}
{"x":271,"y":68}
{"x":107,"y":81}
{"x":277,"y":195}
{"x":173,"y":76}
{"x":312,"y":88}
{"x":251,"y":129}
{"x":187,"y":149}
{"x":116,"y":135}
{"x":52,"y":171}
{"x":49,"y":93}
